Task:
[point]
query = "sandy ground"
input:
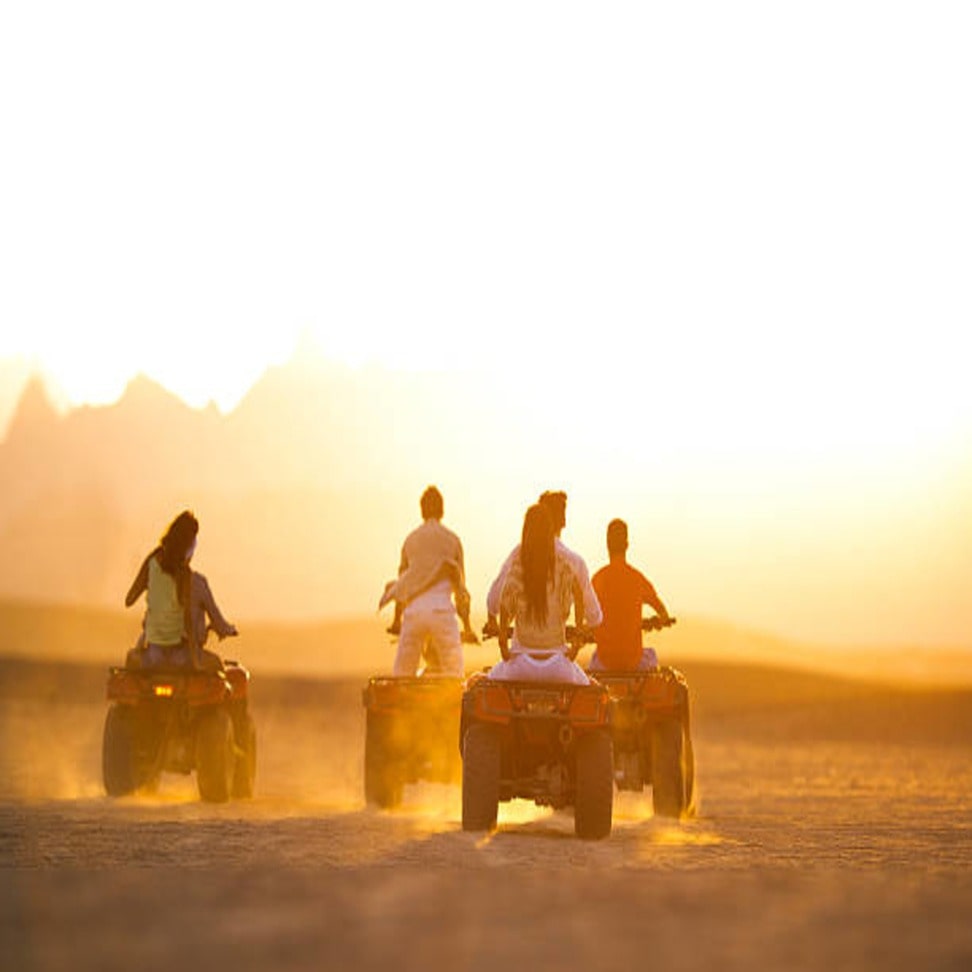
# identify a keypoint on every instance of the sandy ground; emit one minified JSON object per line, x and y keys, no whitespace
{"x":835,"y":832}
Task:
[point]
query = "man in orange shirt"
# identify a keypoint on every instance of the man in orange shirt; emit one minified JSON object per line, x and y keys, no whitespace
{"x":622,"y":590}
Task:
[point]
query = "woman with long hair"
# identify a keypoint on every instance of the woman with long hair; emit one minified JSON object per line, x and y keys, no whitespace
{"x":537,"y":596}
{"x":166,"y":577}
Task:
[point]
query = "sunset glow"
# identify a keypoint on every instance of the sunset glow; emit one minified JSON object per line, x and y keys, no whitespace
{"x":703,"y":268}
{"x":694,"y":207}
{"x":336,"y":338}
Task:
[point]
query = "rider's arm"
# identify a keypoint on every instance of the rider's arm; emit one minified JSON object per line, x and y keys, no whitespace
{"x":202,"y":591}
{"x":505,"y":620}
{"x":140,"y":583}
{"x":577,"y":595}
{"x":507,"y":611}
{"x":650,"y":597}
{"x":596,"y":583}
{"x":592,"y":606}
{"x":496,"y":588}
{"x":461,"y":561}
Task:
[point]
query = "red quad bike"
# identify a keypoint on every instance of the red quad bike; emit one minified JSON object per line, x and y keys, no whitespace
{"x":549,"y":742}
{"x":410,"y":734}
{"x":651,"y":732}
{"x":179,"y":720}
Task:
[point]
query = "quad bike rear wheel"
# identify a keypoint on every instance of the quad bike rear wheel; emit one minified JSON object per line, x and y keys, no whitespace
{"x":383,"y":783}
{"x":215,"y":756}
{"x":673,"y":770}
{"x":244,"y":771}
{"x":480,"y":778}
{"x":593,"y":802}
{"x":691,"y":801}
{"x":119,"y":765}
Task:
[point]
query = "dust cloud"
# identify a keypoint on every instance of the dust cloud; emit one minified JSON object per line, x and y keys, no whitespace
{"x":831,"y":810}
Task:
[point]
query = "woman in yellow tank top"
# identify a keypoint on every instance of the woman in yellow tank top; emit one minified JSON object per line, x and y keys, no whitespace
{"x":166,"y":578}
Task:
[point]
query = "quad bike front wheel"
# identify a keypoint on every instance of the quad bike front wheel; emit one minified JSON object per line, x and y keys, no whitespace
{"x":480,"y":778}
{"x":215,"y":756}
{"x":594,"y":799}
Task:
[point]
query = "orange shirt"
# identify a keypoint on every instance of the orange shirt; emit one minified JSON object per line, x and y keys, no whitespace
{"x":621,"y":590}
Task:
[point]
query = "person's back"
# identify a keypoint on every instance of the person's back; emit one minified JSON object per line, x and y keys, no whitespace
{"x":424,"y":551}
{"x":621,"y":590}
{"x":164,"y":615}
{"x":529,"y":631}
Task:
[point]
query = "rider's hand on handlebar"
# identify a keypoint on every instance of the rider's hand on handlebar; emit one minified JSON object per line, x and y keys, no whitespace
{"x":656,"y":623}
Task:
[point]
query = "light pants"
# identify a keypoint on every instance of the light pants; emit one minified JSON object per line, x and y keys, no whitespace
{"x":429,"y":635}
{"x":525,"y":668}
{"x":648,"y":662}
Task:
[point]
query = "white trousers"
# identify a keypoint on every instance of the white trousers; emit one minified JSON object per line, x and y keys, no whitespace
{"x":431,"y":636}
{"x":525,"y":668}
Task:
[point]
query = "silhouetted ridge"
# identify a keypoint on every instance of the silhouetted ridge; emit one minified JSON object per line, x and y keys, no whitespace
{"x":142,"y":394}
{"x":34,"y":411}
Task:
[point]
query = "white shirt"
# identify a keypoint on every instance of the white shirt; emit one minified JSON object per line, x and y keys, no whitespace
{"x":423,"y":553}
{"x":592,"y":607}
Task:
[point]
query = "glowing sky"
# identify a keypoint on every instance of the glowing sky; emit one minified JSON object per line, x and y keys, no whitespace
{"x":733,"y":233}
{"x":770,"y":201}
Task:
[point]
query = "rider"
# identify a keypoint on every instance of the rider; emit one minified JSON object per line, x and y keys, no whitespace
{"x":171,"y":634}
{"x":622,"y":590}
{"x":555,"y":503}
{"x":205,"y":612}
{"x":431,"y":562}
{"x":537,"y":595}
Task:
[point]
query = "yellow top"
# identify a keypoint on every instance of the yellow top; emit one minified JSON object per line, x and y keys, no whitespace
{"x":164,"y":619}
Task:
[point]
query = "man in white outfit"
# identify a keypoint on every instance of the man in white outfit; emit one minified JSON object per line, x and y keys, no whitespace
{"x":556,"y":505}
{"x":430,"y":628}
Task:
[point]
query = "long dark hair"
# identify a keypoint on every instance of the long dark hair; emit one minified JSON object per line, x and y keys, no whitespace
{"x":173,"y":550}
{"x":537,"y":557}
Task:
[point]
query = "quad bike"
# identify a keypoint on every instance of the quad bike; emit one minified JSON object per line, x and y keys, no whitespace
{"x":410,"y":732}
{"x":651,"y":732}
{"x":549,"y":742}
{"x":179,"y":720}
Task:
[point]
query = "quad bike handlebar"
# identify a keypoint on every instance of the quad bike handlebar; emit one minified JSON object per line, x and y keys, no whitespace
{"x":577,"y":637}
{"x":655,"y":623}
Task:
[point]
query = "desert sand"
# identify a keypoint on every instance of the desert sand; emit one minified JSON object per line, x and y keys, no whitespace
{"x":834,"y":832}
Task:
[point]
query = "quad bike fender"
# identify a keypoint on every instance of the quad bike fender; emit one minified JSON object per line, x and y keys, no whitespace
{"x":502,"y":702}
{"x":391,"y":694}
{"x":661,"y":692}
{"x":238,"y":678}
{"x":196,"y":688}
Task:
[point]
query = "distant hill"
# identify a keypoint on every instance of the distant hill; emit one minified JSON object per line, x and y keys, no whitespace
{"x":304,"y":491}
{"x":307,"y":487}
{"x":359,"y":646}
